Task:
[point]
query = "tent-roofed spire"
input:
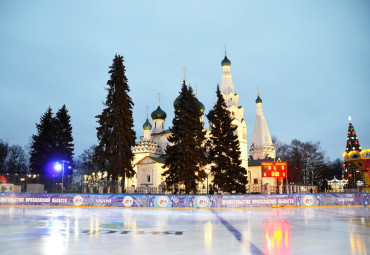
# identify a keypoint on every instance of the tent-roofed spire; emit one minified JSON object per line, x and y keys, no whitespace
{"x":262,"y":146}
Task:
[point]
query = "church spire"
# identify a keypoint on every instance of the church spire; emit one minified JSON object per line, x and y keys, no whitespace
{"x":227,"y":86}
{"x":262,"y":146}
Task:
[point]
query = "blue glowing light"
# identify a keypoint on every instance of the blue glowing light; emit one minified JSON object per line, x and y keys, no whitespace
{"x":58,"y":166}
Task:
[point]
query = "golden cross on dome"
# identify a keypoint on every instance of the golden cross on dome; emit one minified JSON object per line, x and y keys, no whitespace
{"x":159,"y":99}
{"x":184,"y":68}
{"x":225,"y":49}
{"x":147,"y":112}
{"x":196,"y":90}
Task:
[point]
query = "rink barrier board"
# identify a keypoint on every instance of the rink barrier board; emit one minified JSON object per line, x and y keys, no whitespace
{"x":185,"y":201}
{"x":182,"y":208}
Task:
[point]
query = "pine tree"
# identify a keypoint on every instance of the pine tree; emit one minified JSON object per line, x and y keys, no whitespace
{"x":187,"y":155}
{"x":43,"y":145}
{"x":64,"y":139}
{"x":115,"y":132}
{"x":350,"y":171}
{"x":224,"y":150}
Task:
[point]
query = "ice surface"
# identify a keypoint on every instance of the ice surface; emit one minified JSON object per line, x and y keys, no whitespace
{"x":68,"y":230}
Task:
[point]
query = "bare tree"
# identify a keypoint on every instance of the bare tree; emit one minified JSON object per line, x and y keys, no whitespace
{"x":16,"y":162}
{"x":306,"y":161}
{"x":86,"y":161}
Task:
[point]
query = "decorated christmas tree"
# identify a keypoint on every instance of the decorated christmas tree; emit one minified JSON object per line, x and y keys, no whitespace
{"x":350,"y":171}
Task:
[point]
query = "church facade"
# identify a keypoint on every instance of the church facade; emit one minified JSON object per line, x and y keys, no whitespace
{"x":150,"y":151}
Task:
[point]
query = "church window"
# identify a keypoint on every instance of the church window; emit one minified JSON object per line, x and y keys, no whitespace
{"x":255,"y":181}
{"x":148,"y":178}
{"x":155,"y":125}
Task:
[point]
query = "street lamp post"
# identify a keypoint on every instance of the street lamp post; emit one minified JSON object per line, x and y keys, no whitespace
{"x":61,"y":167}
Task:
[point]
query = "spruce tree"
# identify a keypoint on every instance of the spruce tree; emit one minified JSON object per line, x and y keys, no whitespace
{"x":115,"y":132}
{"x":186,"y":155}
{"x":224,"y":150}
{"x":43,"y":145}
{"x":64,"y":139}
{"x":350,"y":170}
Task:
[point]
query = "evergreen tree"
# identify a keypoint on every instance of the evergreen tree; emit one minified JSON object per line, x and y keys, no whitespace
{"x":43,"y":145}
{"x":115,"y":132}
{"x":187,"y":155}
{"x":224,"y":150}
{"x":350,"y":170}
{"x":64,"y":140}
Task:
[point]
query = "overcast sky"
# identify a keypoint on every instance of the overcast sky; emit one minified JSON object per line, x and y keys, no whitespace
{"x":310,"y":60}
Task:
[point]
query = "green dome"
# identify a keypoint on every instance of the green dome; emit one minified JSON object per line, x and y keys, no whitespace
{"x":258,"y":100}
{"x":177,"y":101}
{"x":226,"y":62}
{"x":201,"y":106}
{"x":147,"y":125}
{"x":158,"y":114}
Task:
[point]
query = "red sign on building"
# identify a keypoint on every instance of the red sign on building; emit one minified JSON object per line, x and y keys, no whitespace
{"x":274,"y":169}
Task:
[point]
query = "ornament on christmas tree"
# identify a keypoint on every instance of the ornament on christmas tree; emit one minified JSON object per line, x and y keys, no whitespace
{"x":360,"y":169}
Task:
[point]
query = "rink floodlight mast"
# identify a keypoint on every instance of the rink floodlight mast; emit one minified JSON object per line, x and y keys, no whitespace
{"x":60,"y":166}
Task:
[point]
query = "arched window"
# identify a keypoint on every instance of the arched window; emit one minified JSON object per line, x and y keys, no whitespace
{"x":148,"y":178}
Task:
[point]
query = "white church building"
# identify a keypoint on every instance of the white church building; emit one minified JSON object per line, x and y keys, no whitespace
{"x":150,"y":151}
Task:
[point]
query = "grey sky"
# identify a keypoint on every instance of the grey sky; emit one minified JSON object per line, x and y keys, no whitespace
{"x":310,"y":59}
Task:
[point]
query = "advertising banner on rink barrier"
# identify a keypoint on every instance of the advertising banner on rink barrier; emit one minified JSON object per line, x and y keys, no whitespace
{"x":186,"y":201}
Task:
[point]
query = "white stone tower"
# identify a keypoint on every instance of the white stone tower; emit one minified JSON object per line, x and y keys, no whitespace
{"x":262,"y":146}
{"x":237,"y":111}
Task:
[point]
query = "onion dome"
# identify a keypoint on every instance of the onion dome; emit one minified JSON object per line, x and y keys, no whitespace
{"x":201,"y":106}
{"x":226,"y":62}
{"x":147,"y":125}
{"x":258,"y":100}
{"x":177,"y":101}
{"x":158,"y":114}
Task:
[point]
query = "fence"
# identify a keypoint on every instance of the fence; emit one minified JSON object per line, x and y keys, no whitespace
{"x":81,"y":184}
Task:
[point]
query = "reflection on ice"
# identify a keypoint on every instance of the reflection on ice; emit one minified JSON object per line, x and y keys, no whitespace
{"x":208,"y":234}
{"x":277,"y":237}
{"x":57,"y":240}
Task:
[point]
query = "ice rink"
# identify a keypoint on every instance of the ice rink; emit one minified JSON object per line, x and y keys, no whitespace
{"x":68,"y":230}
